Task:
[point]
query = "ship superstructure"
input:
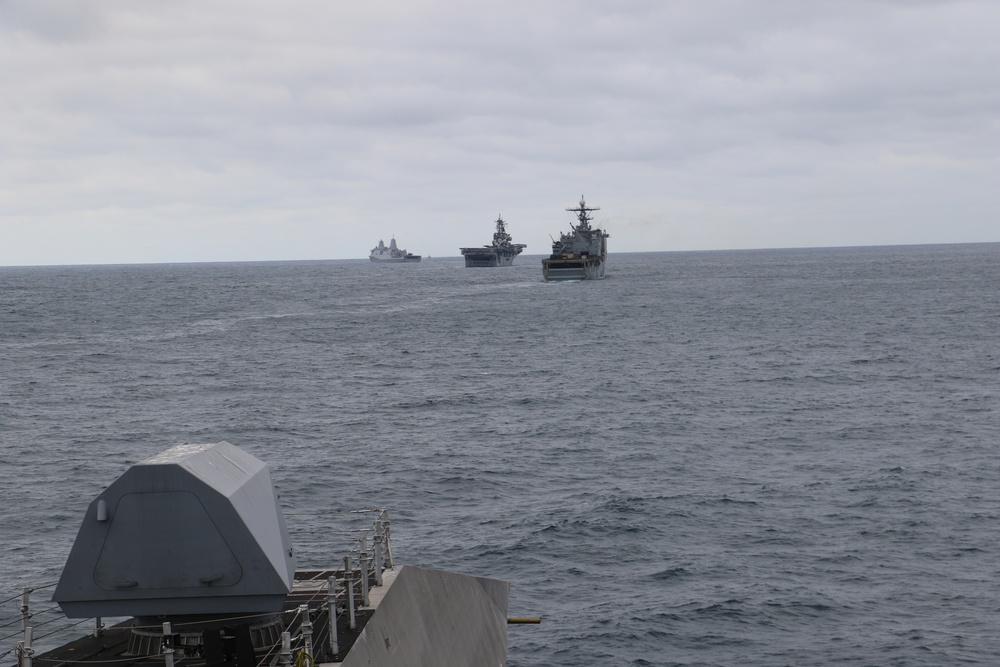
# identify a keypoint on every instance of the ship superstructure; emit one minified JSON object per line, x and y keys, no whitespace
{"x":579,"y":254}
{"x":391,"y":254}
{"x":501,"y":253}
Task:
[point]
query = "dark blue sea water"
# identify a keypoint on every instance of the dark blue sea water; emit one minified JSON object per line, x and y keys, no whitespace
{"x":779,"y":457}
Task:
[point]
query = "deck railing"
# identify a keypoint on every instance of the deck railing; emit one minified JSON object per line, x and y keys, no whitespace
{"x":340,"y":586}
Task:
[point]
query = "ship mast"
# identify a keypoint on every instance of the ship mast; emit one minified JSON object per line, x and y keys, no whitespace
{"x":581,"y":214}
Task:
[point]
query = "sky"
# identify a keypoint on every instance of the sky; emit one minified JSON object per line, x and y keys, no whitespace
{"x":136,"y":131}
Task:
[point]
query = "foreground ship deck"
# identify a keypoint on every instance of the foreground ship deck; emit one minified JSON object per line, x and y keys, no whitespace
{"x":371,"y":632}
{"x":194,"y":598}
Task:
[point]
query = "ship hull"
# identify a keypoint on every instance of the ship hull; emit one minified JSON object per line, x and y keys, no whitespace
{"x":433,"y":617}
{"x":395,"y":260}
{"x":488,"y":259}
{"x":556,"y":269}
{"x":391,"y":254}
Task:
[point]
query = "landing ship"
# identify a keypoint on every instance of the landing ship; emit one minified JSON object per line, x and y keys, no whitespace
{"x":580,"y":254}
{"x":501,"y":253}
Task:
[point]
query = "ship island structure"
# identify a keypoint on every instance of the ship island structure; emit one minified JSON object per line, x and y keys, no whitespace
{"x":501,"y":253}
{"x":579,"y":254}
{"x":391,"y":254}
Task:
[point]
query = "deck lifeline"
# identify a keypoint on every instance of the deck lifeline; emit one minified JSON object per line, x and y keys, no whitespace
{"x":309,"y":587}
{"x":437,"y":618}
{"x":375,"y":595}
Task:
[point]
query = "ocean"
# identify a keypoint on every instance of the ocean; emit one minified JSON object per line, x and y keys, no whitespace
{"x":772,"y":457}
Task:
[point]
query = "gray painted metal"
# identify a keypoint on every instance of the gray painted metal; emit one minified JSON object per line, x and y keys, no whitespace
{"x":391,"y":254}
{"x":433,"y":617}
{"x":196,"y":529}
{"x":501,"y":253}
{"x":579,"y":254}
{"x":586,"y":268}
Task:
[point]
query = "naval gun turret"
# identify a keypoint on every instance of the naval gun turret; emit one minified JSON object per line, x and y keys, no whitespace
{"x":194,"y":530}
{"x":192,"y":545}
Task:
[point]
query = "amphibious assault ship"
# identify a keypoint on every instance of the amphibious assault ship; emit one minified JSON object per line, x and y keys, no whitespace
{"x":580,"y":254}
{"x":192,"y":545}
{"x":392,"y":254}
{"x":501,"y":253}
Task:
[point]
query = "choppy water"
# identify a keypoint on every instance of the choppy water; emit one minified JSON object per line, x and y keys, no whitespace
{"x":756,"y":458}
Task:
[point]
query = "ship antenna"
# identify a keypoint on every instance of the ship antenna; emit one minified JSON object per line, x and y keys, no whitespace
{"x":581,"y":214}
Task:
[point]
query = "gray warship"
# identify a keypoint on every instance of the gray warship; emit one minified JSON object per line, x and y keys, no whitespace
{"x":391,"y":254}
{"x":579,"y":254}
{"x":501,"y":253}
{"x":193,"y":546}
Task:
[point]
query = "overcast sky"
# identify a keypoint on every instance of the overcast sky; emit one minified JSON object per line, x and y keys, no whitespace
{"x":152,"y":131}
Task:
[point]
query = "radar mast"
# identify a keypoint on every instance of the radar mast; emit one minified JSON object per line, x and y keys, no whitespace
{"x":581,"y":214}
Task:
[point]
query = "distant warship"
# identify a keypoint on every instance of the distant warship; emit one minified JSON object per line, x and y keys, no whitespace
{"x":580,"y":254}
{"x":392,"y":254}
{"x":501,"y":253}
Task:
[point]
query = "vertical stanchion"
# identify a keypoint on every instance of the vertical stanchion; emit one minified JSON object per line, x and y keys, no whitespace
{"x":25,"y":650}
{"x":285,"y":657}
{"x":331,"y":601}
{"x":378,"y":553}
{"x":98,"y":626}
{"x":349,"y":585}
{"x":25,"y":614}
{"x":307,"y":629}
{"x":384,"y":520}
{"x":167,"y":647}
{"x":363,"y":565}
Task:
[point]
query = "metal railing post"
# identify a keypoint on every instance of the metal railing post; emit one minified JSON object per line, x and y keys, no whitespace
{"x":331,"y":601}
{"x":167,"y":647}
{"x":25,"y":612}
{"x":98,"y":626}
{"x":363,"y":568}
{"x":24,"y":648}
{"x":378,"y":553}
{"x":285,"y":657}
{"x":307,"y":629}
{"x":349,"y":585}
{"x":384,"y":520}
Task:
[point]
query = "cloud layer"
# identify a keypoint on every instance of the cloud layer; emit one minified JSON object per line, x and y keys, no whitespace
{"x":135,"y":131}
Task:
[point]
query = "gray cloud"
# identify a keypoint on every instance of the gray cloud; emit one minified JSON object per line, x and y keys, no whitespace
{"x":148,"y":131}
